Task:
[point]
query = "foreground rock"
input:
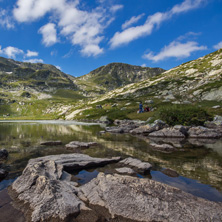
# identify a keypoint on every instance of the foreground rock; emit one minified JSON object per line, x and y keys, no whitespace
{"x":147,"y":200}
{"x":51,"y":143}
{"x":125,"y":170}
{"x":142,"y":167}
{"x":77,"y":144}
{"x":48,"y":189}
{"x":3,"y":154}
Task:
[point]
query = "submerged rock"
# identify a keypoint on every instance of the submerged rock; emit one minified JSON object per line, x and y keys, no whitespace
{"x":51,"y":143}
{"x":78,"y":144}
{"x":3,"y":154}
{"x":143,"y":167}
{"x":170,"y":173}
{"x":147,"y":200}
{"x":168,"y":132}
{"x":162,"y":147}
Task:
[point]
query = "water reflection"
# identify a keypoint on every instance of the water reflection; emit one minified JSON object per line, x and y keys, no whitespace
{"x":199,"y":160}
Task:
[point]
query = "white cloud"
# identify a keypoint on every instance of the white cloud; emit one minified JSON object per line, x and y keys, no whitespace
{"x":34,"y":61}
{"x":143,"y":65}
{"x":49,"y":34}
{"x":175,"y":49}
{"x":218,"y":46}
{"x":82,"y":27}
{"x":5,"y":19}
{"x":132,"y":21}
{"x":31,"y":53}
{"x":116,"y":8}
{"x":11,"y":52}
{"x":153,"y":21}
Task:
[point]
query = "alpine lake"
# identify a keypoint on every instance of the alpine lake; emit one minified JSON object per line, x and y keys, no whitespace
{"x":198,"y":162}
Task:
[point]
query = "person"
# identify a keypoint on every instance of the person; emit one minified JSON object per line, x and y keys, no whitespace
{"x":140,"y":107}
{"x":147,"y":109}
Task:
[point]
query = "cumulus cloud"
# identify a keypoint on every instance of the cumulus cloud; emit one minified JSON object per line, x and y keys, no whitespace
{"x":218,"y":46}
{"x":82,"y":27}
{"x":132,"y":21}
{"x":175,"y":49}
{"x":143,"y":65}
{"x":31,"y":53}
{"x":49,"y":34}
{"x":11,"y":52}
{"x":6,"y":20}
{"x":34,"y":60}
{"x":153,"y":21}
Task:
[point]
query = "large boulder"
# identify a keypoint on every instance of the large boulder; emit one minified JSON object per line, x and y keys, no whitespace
{"x":47,"y":189}
{"x":147,"y":200}
{"x":3,"y":154}
{"x":149,"y":128}
{"x":203,"y":132}
{"x":176,"y":132}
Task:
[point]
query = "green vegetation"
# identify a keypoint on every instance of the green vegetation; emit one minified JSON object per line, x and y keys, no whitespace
{"x":183,"y":115}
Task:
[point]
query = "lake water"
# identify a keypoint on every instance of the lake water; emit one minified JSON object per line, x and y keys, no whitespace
{"x":199,"y":163}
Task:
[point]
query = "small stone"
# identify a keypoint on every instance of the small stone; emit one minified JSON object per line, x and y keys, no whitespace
{"x":125,"y":170}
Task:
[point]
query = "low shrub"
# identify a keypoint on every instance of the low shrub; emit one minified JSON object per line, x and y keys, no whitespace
{"x":187,"y":115}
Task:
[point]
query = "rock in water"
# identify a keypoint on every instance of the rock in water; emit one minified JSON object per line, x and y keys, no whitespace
{"x":147,"y":200}
{"x":51,"y":143}
{"x":47,"y":188}
{"x":3,"y":154}
{"x":3,"y":174}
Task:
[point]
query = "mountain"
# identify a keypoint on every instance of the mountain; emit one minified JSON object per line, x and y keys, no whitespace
{"x":197,"y":80}
{"x":44,"y":92}
{"x":28,"y":76}
{"x":114,"y":75}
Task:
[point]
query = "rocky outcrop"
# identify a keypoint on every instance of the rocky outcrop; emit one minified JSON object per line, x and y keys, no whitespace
{"x":142,"y":167}
{"x":78,"y":144}
{"x":48,"y":189}
{"x":203,"y":132}
{"x":51,"y":143}
{"x":149,"y":128}
{"x":176,"y":132}
{"x":3,"y":154}
{"x":147,"y":200}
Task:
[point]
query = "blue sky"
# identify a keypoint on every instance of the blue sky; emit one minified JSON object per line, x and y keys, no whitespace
{"x":78,"y":36}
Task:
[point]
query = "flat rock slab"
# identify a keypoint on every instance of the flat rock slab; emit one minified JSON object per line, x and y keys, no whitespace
{"x":147,"y":200}
{"x":47,"y":188}
{"x":76,"y":161}
{"x":51,"y":143}
{"x":138,"y":164}
{"x":78,"y":144}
